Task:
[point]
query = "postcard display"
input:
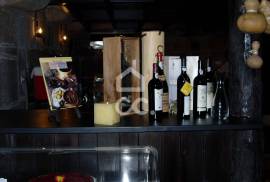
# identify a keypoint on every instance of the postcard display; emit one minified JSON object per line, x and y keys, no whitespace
{"x":61,"y":84}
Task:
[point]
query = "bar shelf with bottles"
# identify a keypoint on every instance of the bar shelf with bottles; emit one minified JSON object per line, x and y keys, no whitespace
{"x":191,"y":89}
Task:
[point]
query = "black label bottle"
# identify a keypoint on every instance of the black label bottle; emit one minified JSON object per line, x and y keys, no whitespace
{"x":210,"y":88}
{"x":162,"y":78}
{"x":199,"y":94}
{"x":183,"y":93}
{"x":155,"y":92}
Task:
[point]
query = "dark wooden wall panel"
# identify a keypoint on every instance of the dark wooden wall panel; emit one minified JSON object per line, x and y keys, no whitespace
{"x":183,"y":156}
{"x":66,"y":162}
{"x":108,"y":139}
{"x":42,"y":159}
{"x":44,"y":140}
{"x":216,"y":154}
{"x":5,"y":162}
{"x":171,"y":157}
{"x":129,"y":139}
{"x":133,"y":165}
{"x":108,"y":163}
{"x":66,"y":140}
{"x":155,"y":140}
{"x":29,"y":170}
{"x":5,"y":140}
{"x":259,"y":155}
{"x":193,"y":150}
{"x":88,"y":160}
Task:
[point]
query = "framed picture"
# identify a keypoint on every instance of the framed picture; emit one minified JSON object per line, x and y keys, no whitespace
{"x":60,"y":82}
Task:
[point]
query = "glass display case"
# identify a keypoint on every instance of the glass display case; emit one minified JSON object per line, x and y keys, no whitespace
{"x":100,"y":164}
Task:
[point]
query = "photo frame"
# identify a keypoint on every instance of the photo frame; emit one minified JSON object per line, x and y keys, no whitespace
{"x":60,"y":82}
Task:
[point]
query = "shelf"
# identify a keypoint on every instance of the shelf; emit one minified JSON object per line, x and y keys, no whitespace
{"x":37,"y":121}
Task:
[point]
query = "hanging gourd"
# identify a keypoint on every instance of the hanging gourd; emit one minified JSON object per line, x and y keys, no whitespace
{"x":255,"y":61}
{"x":265,"y":10}
{"x":252,"y":21}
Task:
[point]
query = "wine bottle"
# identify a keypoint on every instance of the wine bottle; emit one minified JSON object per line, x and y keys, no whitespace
{"x":183,"y":93}
{"x":220,"y":109}
{"x":162,"y":78}
{"x":210,"y":87}
{"x":155,"y":91}
{"x":199,"y":94}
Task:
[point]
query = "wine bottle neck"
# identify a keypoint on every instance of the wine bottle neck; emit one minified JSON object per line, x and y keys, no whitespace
{"x":160,"y":64}
{"x":184,"y":69}
{"x":183,"y":65}
{"x":159,"y":57}
{"x":200,"y":72}
{"x":220,"y":84}
{"x":155,"y":71}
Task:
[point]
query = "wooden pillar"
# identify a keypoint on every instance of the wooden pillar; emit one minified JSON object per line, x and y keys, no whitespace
{"x":245,"y":89}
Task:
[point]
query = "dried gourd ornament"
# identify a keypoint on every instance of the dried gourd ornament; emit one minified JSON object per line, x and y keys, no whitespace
{"x":265,"y":10}
{"x":252,"y":21}
{"x":254,"y":61}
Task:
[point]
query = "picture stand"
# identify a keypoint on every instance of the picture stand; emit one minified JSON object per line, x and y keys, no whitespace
{"x":61,"y":86}
{"x":78,"y":113}
{"x":54,"y":115}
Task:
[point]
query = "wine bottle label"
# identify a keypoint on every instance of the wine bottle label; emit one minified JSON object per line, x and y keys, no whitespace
{"x":165,"y":102}
{"x":210,"y":94}
{"x":158,"y":99}
{"x":186,"y":106}
{"x":186,"y":88}
{"x":201,"y":98}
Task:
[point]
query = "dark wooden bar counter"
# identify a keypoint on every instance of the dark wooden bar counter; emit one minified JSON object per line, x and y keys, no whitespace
{"x":187,"y":152}
{"x":37,"y":121}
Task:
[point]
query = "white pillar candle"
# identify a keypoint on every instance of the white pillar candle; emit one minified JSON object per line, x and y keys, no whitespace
{"x":105,"y":114}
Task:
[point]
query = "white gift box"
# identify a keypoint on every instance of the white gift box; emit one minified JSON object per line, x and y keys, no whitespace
{"x":173,"y":70}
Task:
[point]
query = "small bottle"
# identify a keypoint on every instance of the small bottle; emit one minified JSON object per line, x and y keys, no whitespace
{"x":162,"y":78}
{"x":155,"y":91}
{"x":183,"y":93}
{"x":220,"y":109}
{"x":199,"y":94}
{"x":210,"y":87}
